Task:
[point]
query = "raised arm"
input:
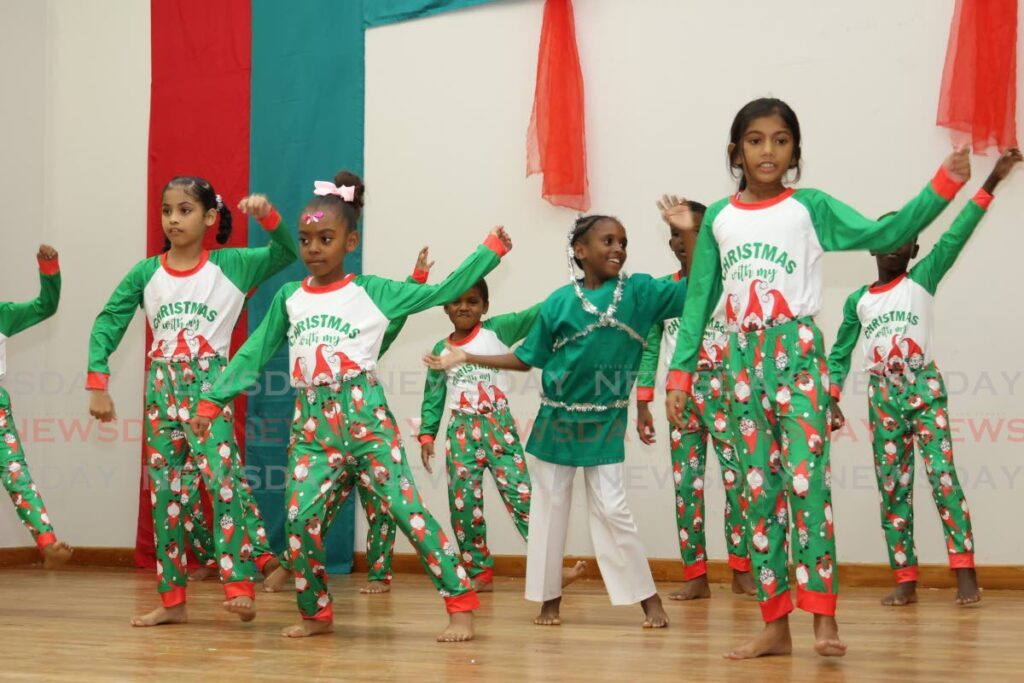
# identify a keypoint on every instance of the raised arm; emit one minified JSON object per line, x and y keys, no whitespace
{"x":420,"y":273}
{"x":18,"y":316}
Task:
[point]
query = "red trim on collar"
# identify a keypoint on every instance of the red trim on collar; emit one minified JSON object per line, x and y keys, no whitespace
{"x":678,"y":276}
{"x":323,"y":289}
{"x":879,"y":289}
{"x":764,"y":203}
{"x":468,"y":338}
{"x":203,"y":258}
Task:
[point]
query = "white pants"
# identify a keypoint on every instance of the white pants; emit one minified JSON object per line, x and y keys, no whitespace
{"x":620,"y":554}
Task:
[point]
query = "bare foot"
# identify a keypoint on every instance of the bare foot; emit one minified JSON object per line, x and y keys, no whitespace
{"x":308,"y":627}
{"x":654,"y":612}
{"x":270,"y":566}
{"x":202,"y":574}
{"x":694,"y":589}
{"x":375,"y":588}
{"x":481,"y":586}
{"x":903,"y":594}
{"x":743,"y":583}
{"x":162,"y":615}
{"x":460,"y":628}
{"x":570,"y":574}
{"x":277,"y":580}
{"x":967,"y":590}
{"x":826,"y":637}
{"x":243,"y":606}
{"x":549,"y":613}
{"x":56,"y":555}
{"x":775,"y":639}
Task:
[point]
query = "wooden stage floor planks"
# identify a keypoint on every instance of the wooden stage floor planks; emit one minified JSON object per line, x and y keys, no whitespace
{"x":72,"y":625}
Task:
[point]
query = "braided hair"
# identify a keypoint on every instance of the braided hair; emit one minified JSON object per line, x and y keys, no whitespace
{"x":582,"y":227}
{"x":202,"y":191}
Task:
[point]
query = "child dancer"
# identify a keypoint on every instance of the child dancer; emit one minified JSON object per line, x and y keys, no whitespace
{"x":14,"y":318}
{"x":192,"y":298}
{"x":907,"y":397}
{"x":762,"y":248}
{"x":343,"y":430}
{"x":588,"y":340}
{"x":705,"y":420}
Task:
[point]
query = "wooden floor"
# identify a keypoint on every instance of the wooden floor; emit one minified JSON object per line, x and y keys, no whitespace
{"x":73,"y":626}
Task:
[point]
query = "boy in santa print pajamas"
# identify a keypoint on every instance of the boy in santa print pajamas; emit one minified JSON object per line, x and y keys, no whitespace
{"x":907,"y":398}
{"x":14,"y":318}
{"x":706,"y":420}
{"x":334,"y":325}
{"x":192,"y":298}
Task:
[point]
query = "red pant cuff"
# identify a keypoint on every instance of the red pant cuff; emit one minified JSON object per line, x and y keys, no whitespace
{"x":775,"y":608}
{"x":262,"y":560}
{"x":326,"y":614}
{"x":467,"y":602}
{"x":740,"y":564}
{"x":961,"y":561}
{"x":44,"y":539}
{"x":237,"y":589}
{"x":487,"y":575}
{"x":173,"y":597}
{"x":816,"y":603}
{"x":906,"y":574}
{"x":695,"y":570}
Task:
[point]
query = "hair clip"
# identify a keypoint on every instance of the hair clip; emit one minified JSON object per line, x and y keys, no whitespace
{"x":313,"y":217}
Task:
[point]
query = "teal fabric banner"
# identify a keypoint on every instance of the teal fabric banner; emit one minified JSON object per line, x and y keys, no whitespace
{"x":383,"y":12}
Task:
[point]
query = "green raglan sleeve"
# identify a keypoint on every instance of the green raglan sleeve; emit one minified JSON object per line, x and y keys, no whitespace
{"x":395,"y":326}
{"x":703,"y":293}
{"x":539,"y":345}
{"x":18,"y":316}
{"x":511,"y":328}
{"x":648,"y":373}
{"x":435,"y":391}
{"x":247,"y":365}
{"x":113,"y":322}
{"x":841,"y":228}
{"x":846,"y":340}
{"x":930,"y":270}
{"x":249,"y":268}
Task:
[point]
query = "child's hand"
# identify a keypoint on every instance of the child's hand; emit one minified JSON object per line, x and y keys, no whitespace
{"x":455,"y":356}
{"x":958,"y":164}
{"x":676,"y":213}
{"x":1004,"y":165}
{"x":101,"y":406}
{"x":675,"y":401}
{"x":645,"y":422}
{"x":838,"y":419}
{"x":200,"y":425}
{"x":46,"y":253}
{"x":503,"y":237}
{"x":256,"y":205}
{"x":427,"y":452}
{"x":423,"y":261}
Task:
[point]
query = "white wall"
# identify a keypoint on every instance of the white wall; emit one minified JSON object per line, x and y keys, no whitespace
{"x":448,"y":103}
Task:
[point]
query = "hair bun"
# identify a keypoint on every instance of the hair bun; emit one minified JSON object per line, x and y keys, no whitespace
{"x":351,"y":179}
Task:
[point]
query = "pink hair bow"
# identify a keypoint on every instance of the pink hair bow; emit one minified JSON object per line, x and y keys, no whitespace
{"x":326,"y":187}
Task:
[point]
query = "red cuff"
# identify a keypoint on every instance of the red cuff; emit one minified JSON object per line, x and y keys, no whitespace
{"x":44,"y":539}
{"x":467,"y":602}
{"x":983,"y":198}
{"x":271,"y":220}
{"x":425,"y":438}
{"x":644,"y":394}
{"x":494,"y":244}
{"x":906,"y":574}
{"x":208,"y":409}
{"x":835,"y":392}
{"x":97,"y":381}
{"x":740,"y":564}
{"x":173,"y":597}
{"x":816,"y":603}
{"x":51,"y":267}
{"x":326,"y":614}
{"x":237,"y":589}
{"x":945,"y":185}
{"x":695,"y":570}
{"x":419,"y":275}
{"x":487,"y":576}
{"x":262,"y":560}
{"x":775,"y":608}
{"x":961,"y":561}
{"x":679,"y":380}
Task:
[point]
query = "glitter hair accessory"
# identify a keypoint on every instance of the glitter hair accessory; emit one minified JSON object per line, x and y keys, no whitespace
{"x":326,"y":187}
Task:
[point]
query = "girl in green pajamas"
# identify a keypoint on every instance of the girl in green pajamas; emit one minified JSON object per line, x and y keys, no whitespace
{"x":343,"y":432}
{"x":14,"y":318}
{"x":192,"y":298}
{"x":907,"y":399}
{"x":762,"y":249}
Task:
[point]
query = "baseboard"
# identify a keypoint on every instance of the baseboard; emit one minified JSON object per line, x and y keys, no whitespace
{"x":84,"y":557}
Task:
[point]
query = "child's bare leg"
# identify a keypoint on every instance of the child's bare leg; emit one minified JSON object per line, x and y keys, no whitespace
{"x":308,"y":627}
{"x":243,"y":606}
{"x":826,"y":637}
{"x":460,"y":628}
{"x":654,"y":612}
{"x":202,"y":573}
{"x":483,"y":586}
{"x":376,"y":588}
{"x":161,"y":616}
{"x":967,"y":589}
{"x":903,"y":594}
{"x":276,"y":580}
{"x":549,"y":613}
{"x":56,"y":555}
{"x":570,"y":574}
{"x":694,"y":589}
{"x":743,"y":583}
{"x":775,"y":639}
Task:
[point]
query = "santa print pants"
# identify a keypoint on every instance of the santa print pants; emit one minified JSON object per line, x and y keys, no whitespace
{"x":617,"y":545}
{"x":901,"y":410}
{"x":342,"y":436}
{"x":707,"y":427}
{"x":18,"y":481}
{"x":779,"y":392}
{"x":172,"y":392}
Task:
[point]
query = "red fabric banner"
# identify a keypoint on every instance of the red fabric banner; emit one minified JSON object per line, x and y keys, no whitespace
{"x":198,"y":125}
{"x":556,"y":141}
{"x":979,"y":82}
